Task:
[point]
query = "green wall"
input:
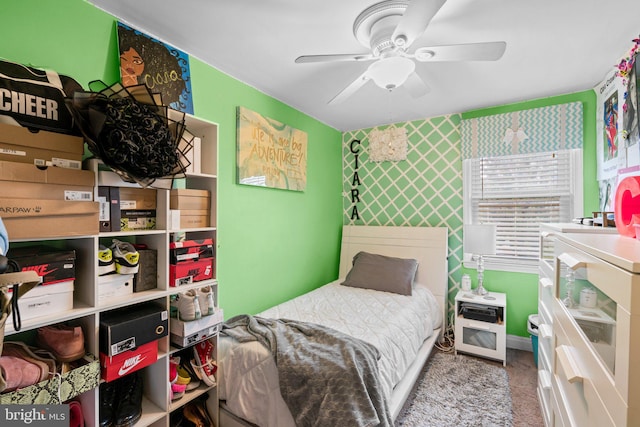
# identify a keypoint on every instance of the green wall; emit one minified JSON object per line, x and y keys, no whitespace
{"x":272,"y":244}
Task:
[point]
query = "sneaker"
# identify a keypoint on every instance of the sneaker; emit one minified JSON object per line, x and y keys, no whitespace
{"x":105,"y":261}
{"x":129,"y":397}
{"x":203,"y":362}
{"x":187,"y":305}
{"x":205,"y":298}
{"x":126,"y":257}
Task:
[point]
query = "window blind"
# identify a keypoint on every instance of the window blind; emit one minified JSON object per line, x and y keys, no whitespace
{"x":517,"y":193}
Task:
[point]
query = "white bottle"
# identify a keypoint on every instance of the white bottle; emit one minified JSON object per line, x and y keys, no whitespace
{"x":466,"y":282}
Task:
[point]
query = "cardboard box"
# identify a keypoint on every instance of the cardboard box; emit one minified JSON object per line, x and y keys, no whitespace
{"x":85,"y":377}
{"x":21,"y":181}
{"x":183,"y":329}
{"x":45,"y":301}
{"x":190,"y":340}
{"x":190,"y":250}
{"x":138,"y":199}
{"x":22,"y":172}
{"x":131,"y":220}
{"x":37,"y":219}
{"x":147,"y":277}
{"x":132,"y":326}
{"x":194,"y":218}
{"x":52,"y":265}
{"x":114,"y":285}
{"x":42,"y":148}
{"x":191,"y":271}
{"x":114,"y":367}
{"x":188,"y":199}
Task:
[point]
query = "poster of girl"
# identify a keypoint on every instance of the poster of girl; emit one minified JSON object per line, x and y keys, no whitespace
{"x":159,"y":66}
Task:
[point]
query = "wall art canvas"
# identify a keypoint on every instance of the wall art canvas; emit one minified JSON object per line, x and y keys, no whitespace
{"x":270,"y":153}
{"x":159,"y":66}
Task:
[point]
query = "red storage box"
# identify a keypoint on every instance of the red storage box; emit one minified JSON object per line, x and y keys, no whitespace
{"x":191,"y":271}
{"x":114,"y":367}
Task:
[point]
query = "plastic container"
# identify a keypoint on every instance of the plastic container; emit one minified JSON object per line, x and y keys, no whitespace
{"x":532,"y":327}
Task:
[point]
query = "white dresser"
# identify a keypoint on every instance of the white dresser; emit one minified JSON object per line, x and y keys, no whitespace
{"x":589,"y":332}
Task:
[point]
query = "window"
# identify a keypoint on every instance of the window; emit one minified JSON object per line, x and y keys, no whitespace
{"x":517,"y":193}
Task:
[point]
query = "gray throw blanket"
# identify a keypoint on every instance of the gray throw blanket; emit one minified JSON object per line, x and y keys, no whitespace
{"x":327,"y":378}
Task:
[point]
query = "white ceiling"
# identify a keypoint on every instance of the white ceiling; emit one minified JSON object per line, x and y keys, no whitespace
{"x":553,"y":47}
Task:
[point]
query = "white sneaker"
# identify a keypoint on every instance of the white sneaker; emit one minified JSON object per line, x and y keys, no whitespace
{"x":188,"y":306}
{"x":205,"y":298}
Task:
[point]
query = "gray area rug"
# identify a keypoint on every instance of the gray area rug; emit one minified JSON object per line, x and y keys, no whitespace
{"x":458,"y":390}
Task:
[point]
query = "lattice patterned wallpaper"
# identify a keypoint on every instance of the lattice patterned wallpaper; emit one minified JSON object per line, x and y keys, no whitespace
{"x":424,"y":190}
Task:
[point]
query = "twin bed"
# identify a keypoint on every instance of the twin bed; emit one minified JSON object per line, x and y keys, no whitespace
{"x":396,"y":322}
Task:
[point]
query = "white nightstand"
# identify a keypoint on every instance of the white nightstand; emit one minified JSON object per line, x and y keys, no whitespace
{"x":480,"y":325}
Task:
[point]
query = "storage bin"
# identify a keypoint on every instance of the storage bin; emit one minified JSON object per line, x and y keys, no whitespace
{"x":532,"y":327}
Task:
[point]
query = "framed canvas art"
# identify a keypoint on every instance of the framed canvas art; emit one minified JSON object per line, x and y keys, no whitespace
{"x":269,"y":153}
{"x":159,"y":66}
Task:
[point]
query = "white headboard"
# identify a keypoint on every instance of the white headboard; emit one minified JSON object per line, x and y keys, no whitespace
{"x":428,"y":245}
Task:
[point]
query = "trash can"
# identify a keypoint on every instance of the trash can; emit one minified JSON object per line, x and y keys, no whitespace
{"x":532,"y":327}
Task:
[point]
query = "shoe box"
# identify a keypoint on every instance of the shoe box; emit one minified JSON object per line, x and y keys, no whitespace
{"x":184,"y":334}
{"x":132,"y":326}
{"x":83,"y":376}
{"x":39,"y":202}
{"x":57,"y":270}
{"x":114,"y":367}
{"x":138,"y":208}
{"x":191,"y":261}
{"x":42,"y":148}
{"x":194,"y":207}
{"x":115,"y":285}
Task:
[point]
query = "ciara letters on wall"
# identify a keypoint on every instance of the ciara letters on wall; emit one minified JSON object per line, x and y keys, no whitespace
{"x":269,"y":153}
{"x":162,"y":68}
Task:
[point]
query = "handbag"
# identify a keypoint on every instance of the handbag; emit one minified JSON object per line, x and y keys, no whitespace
{"x":35,"y":98}
{"x":19,"y":282}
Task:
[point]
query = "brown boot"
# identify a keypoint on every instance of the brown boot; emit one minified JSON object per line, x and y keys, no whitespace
{"x":65,"y":342}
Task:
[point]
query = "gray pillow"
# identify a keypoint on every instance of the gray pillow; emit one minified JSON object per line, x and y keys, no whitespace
{"x":382,"y":273}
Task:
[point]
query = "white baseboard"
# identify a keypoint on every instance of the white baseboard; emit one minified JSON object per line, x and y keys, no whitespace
{"x":519,"y":343}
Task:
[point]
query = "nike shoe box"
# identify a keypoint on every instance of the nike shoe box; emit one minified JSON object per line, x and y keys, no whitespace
{"x":191,"y":339}
{"x":190,"y":250}
{"x":129,"y":327}
{"x":191,"y":271}
{"x":52,"y":265}
{"x":114,"y":367}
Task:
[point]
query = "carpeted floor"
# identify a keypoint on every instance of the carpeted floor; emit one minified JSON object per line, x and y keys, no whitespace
{"x":473,"y":391}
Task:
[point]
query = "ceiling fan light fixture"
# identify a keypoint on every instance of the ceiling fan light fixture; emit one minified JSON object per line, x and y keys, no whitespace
{"x":424,"y":54}
{"x":390,"y":73}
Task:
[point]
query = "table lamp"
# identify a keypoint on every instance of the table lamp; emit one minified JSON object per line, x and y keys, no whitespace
{"x":479,"y":240}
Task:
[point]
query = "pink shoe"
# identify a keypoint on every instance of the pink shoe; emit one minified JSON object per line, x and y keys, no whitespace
{"x":19,"y":373}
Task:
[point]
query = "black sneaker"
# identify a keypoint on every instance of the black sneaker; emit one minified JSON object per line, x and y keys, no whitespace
{"x":129,"y":408}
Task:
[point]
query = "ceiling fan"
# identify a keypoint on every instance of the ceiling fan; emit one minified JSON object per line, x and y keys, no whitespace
{"x":388,"y":29}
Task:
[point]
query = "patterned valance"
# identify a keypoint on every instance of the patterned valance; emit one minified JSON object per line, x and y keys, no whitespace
{"x":555,"y":127}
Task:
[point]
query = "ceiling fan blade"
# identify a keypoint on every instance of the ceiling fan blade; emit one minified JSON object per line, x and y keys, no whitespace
{"x":350,"y":90}
{"x":415,"y":20}
{"x":416,"y":86}
{"x":335,"y":58}
{"x":489,"y":51}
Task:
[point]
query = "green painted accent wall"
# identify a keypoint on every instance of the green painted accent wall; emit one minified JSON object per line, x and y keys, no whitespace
{"x":272,"y":244}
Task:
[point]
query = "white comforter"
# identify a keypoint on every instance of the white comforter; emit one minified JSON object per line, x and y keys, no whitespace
{"x":396,"y":324}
